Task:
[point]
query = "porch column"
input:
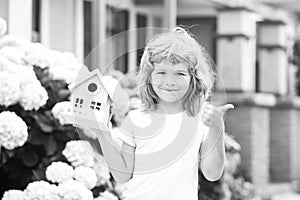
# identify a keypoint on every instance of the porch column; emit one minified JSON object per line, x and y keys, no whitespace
{"x":272,"y":57}
{"x":99,"y":35}
{"x":169,"y":13}
{"x":45,"y":22}
{"x":79,"y":32}
{"x":236,"y":41}
{"x":249,"y":123}
{"x":132,"y":38}
{"x":18,"y":15}
{"x":285,"y":140}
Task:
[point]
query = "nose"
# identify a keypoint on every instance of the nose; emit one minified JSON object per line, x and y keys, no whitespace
{"x":170,"y":81}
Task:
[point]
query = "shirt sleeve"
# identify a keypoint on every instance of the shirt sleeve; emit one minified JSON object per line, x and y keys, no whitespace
{"x":125,"y":133}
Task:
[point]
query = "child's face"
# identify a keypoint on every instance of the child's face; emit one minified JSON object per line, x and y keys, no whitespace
{"x":170,"y":81}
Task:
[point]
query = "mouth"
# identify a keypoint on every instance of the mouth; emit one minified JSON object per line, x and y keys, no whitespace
{"x":169,"y":90}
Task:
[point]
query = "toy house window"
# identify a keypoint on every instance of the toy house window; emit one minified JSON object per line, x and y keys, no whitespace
{"x":78,"y":102}
{"x":95,"y":105}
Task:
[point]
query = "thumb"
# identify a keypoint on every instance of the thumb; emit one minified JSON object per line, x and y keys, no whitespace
{"x":226,"y":107}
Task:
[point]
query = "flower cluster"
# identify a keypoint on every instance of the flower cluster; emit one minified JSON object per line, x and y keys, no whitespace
{"x":62,"y":65}
{"x":10,"y":89}
{"x":127,"y":99}
{"x":86,"y":175}
{"x":102,"y":171}
{"x":79,"y":152}
{"x":60,"y":108}
{"x":106,"y":196}
{"x":82,"y":156}
{"x":13,"y":130}
{"x":19,"y":83}
{"x":74,"y":190}
{"x":41,"y":190}
{"x":14,"y":195}
{"x":58,"y":172}
{"x":33,"y":96}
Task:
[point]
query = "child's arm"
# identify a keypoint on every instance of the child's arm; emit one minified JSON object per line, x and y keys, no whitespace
{"x":212,"y":152}
{"x":120,"y":162}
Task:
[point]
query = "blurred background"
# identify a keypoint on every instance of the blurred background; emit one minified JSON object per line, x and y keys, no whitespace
{"x":43,"y":44}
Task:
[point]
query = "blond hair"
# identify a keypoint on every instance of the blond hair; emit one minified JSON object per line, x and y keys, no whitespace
{"x":177,"y":46}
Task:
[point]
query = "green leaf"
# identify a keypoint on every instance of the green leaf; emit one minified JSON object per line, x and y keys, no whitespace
{"x":38,"y":174}
{"x":44,"y":123}
{"x":10,"y":153}
{"x":29,"y":157}
{"x":36,"y":137}
{"x":50,"y":145}
{"x":4,"y":156}
{"x":63,"y":94}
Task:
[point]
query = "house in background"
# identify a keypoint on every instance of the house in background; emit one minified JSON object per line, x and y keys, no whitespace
{"x":250,"y":41}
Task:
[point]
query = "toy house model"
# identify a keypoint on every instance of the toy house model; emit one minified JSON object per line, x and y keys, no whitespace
{"x":90,"y":100}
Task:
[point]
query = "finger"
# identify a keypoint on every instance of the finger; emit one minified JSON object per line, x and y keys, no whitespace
{"x":207,"y":112}
{"x":226,"y":107}
{"x":206,"y":120}
{"x":206,"y":117}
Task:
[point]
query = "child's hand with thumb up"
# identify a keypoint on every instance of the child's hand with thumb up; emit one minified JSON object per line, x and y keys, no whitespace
{"x":212,"y":116}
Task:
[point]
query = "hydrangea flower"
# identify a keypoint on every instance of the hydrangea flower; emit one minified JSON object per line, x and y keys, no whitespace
{"x":79,"y":152}
{"x":3,"y":27}
{"x":14,"y":54}
{"x":41,"y":190}
{"x":13,"y":130}
{"x":26,"y":75}
{"x":102,"y":170}
{"x":14,"y":195}
{"x":86,"y":175}
{"x":60,"y":108}
{"x":65,"y":66}
{"x":58,"y":172}
{"x":7,"y":66}
{"x":106,"y":195}
{"x":9,"y":89}
{"x":39,"y":58}
{"x":74,"y":190}
{"x":13,"y":40}
{"x":33,"y":96}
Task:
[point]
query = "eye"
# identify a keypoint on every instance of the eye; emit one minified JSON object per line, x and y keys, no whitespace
{"x":181,"y":74}
{"x":161,"y":73}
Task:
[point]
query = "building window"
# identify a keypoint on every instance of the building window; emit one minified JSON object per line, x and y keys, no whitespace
{"x":36,"y":16}
{"x":117,"y":22}
{"x":141,"y":36}
{"x":204,"y":29}
{"x":87,"y":17}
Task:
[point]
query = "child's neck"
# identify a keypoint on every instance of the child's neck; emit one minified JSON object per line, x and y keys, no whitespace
{"x":168,"y":108}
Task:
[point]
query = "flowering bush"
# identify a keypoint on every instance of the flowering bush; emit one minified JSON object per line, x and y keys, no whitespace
{"x":33,"y":137}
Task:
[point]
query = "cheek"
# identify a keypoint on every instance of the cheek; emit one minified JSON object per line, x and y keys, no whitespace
{"x":186,"y":82}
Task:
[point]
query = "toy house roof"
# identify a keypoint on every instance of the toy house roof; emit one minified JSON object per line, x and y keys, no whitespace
{"x":85,"y":75}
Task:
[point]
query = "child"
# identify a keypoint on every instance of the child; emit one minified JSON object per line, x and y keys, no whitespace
{"x":161,"y":141}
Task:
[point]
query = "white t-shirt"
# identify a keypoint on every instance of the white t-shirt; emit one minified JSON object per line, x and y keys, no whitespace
{"x":166,"y":155}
